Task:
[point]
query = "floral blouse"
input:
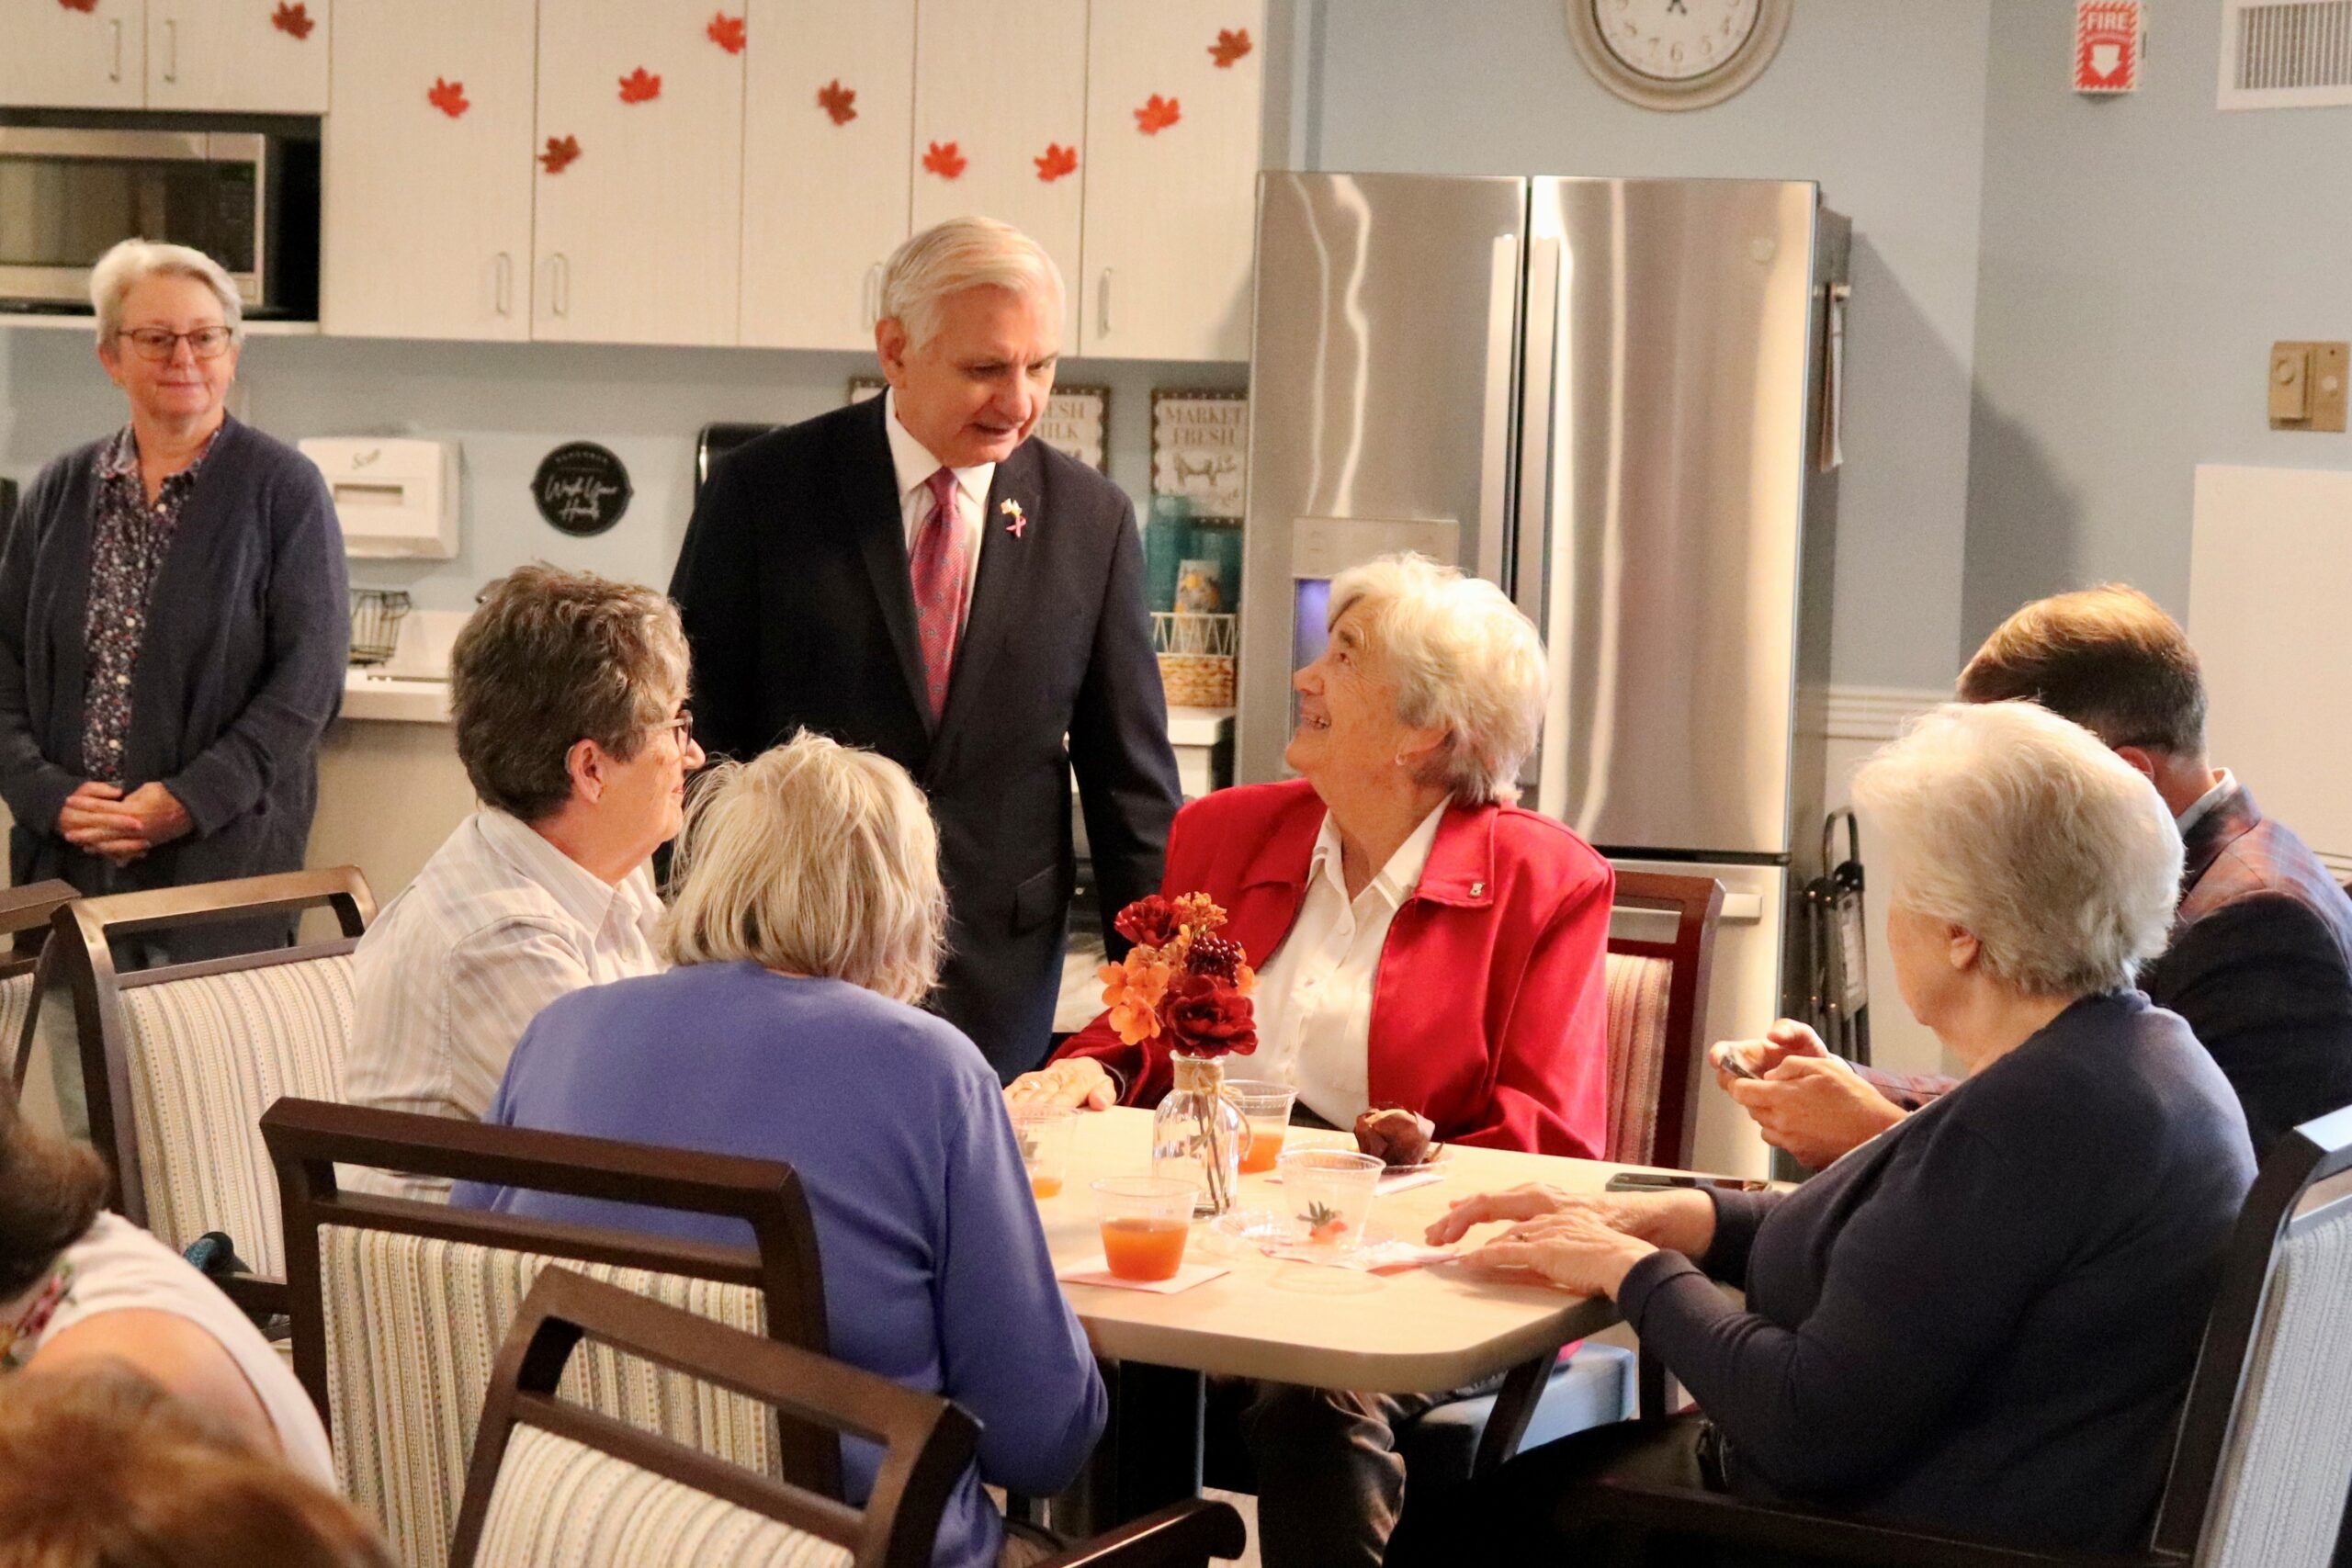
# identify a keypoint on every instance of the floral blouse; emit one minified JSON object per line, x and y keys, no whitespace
{"x":128,"y":540}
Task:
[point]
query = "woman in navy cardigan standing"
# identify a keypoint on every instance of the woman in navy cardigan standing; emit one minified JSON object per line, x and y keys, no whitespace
{"x":173,"y":623}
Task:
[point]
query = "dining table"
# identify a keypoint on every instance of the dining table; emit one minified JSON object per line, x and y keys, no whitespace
{"x":1314,"y":1323}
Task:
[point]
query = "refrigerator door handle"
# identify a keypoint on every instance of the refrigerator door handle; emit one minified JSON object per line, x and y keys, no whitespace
{"x":1494,"y":434}
{"x":1530,"y":587}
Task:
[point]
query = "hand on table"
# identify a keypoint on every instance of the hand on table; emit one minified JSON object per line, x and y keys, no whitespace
{"x":1815,"y":1109}
{"x":1682,"y":1221}
{"x":1575,"y":1249}
{"x":1785,"y":1040}
{"x":95,"y":818}
{"x":1078,"y":1083}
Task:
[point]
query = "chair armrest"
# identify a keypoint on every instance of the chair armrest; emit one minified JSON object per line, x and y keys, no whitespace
{"x":1183,"y":1535}
{"x":256,"y":1296}
{"x":1686,"y":1511}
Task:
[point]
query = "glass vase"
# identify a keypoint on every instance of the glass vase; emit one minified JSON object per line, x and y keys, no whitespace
{"x":1198,"y":1133}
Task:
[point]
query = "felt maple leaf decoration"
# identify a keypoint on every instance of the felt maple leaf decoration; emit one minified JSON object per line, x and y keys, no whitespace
{"x":1055,"y":160}
{"x":295,"y":20}
{"x":1156,"y":115}
{"x":1231,"y":44}
{"x":82,"y":5}
{"x":450,"y":97}
{"x":726,"y":32}
{"x":838,"y":101}
{"x":561,"y":151}
{"x":639,"y":85}
{"x":942,"y":159}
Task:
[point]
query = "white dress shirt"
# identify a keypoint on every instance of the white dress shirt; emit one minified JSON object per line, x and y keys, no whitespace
{"x":498,"y":924}
{"x":1313,"y":998}
{"x":2223,"y":782}
{"x":916,"y":465}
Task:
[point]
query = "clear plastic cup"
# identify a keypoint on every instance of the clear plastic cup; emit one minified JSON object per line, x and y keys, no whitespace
{"x":1044,"y":1136}
{"x":1265,"y":1105}
{"x":1329,"y":1193}
{"x":1144,"y":1220}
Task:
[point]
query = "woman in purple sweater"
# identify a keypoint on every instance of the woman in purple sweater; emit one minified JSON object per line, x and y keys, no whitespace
{"x":808,"y":923}
{"x":1982,"y":1322}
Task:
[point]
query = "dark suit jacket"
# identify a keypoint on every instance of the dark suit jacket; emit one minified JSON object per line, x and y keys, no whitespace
{"x":794,"y":588}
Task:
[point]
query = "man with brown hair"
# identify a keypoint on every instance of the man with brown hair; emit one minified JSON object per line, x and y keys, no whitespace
{"x":2260,"y":961}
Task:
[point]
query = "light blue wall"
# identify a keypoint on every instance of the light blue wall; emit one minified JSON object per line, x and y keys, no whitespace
{"x":2140,"y":255}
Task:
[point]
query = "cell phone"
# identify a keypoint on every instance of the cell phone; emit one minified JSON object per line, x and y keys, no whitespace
{"x":1664,"y":1180}
{"x":1733,"y":1060}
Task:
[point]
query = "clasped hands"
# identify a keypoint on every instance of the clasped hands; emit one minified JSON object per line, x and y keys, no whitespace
{"x":1800,"y":1097}
{"x":1581,"y":1241}
{"x":100,"y":818}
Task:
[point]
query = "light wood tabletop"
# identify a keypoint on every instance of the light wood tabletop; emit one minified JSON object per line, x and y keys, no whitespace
{"x":1417,"y":1331}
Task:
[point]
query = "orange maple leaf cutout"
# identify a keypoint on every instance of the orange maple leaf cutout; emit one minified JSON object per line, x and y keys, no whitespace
{"x":840,"y":102}
{"x":561,"y":151}
{"x":82,"y":5}
{"x":450,"y":97}
{"x":295,"y":20}
{"x":1055,"y":160}
{"x":1231,"y":44}
{"x":639,"y":85}
{"x":1158,"y":114}
{"x":726,"y":32}
{"x":942,"y":159}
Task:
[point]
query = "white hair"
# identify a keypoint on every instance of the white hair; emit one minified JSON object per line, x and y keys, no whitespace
{"x":1463,"y":658}
{"x":2026,"y":831}
{"x":132,"y":262}
{"x":816,"y":859}
{"x":965,"y":253}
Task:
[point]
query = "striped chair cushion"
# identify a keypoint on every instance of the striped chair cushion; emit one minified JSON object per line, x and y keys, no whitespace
{"x":560,"y":1502}
{"x":206,"y":1057}
{"x":16,"y":1001}
{"x":414,"y":1324}
{"x":2289,"y":1457}
{"x":1638,"y":998}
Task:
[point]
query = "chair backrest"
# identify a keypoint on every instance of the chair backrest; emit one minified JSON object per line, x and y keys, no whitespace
{"x":399,"y":1306}
{"x":1658,"y":1014}
{"x":553,"y":1483}
{"x":178,"y":1062}
{"x":2265,"y":1456}
{"x":25,"y":914}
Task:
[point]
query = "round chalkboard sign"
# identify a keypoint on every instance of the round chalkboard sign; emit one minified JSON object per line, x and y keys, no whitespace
{"x":580,"y":487}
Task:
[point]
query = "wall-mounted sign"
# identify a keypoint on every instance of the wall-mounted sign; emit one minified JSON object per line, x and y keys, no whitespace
{"x":580,"y":487}
{"x":1073,"y":423}
{"x":1198,"y":442}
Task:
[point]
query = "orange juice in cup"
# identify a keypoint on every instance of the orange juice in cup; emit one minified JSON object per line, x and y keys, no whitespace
{"x":1266,"y":1107}
{"x":1144,"y":1220}
{"x":1045,"y":1138}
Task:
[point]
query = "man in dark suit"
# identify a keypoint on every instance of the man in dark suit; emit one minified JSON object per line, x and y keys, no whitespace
{"x":2260,"y":962}
{"x":917,"y":575}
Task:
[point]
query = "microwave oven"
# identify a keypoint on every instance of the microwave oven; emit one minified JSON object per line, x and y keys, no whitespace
{"x":248,"y":199}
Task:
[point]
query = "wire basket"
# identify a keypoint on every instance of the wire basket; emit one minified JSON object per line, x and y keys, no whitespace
{"x":375,"y":616}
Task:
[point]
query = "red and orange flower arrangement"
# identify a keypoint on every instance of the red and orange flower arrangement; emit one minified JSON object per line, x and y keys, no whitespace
{"x":1186,"y":989}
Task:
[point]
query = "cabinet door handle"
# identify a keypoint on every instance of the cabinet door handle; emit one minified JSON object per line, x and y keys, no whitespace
{"x":505,"y":297}
{"x":559,"y":272}
{"x":114,"y":26}
{"x":171,"y":51}
{"x":872,"y":294}
{"x":1102,"y":305}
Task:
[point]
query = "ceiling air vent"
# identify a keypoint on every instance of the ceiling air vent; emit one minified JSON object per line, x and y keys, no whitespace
{"x":2286,"y":54}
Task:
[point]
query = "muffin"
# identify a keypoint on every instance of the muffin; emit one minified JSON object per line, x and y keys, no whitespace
{"x":1397,"y":1136}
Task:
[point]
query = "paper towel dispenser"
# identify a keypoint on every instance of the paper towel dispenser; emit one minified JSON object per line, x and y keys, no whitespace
{"x":396,"y":497}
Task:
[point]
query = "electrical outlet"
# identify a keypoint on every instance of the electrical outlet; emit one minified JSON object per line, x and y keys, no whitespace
{"x":2307,"y":386}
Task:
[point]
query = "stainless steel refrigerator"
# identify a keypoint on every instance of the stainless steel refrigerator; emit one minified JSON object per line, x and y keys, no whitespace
{"x":1618,"y":398}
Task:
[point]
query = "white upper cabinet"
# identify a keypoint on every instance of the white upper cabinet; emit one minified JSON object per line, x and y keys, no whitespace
{"x":1173,"y":89}
{"x":428,"y":170}
{"x":1000,"y":122}
{"x":639,"y":198}
{"x":55,"y":56}
{"x":828,"y":133}
{"x":245,"y":56}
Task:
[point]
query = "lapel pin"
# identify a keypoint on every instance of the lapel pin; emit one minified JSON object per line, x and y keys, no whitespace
{"x":1477,"y":890}
{"x":1012,"y":509}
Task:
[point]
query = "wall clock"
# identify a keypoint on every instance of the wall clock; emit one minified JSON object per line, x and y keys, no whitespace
{"x":1677,"y":54}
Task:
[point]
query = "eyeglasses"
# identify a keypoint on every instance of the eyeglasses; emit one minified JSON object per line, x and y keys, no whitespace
{"x":684,"y":725}
{"x":157,"y":346}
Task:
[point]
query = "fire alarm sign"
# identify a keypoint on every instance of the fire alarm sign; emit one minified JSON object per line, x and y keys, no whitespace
{"x":2109,"y":43}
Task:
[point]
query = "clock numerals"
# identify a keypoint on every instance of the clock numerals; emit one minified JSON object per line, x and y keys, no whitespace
{"x":1678,"y":53}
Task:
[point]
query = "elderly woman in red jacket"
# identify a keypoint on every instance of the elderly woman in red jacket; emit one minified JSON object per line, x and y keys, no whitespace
{"x":1419,"y":942}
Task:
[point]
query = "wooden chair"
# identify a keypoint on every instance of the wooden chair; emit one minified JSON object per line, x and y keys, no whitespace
{"x":1658,"y":1020}
{"x":2260,"y":1468}
{"x":24,"y":920}
{"x":552,"y":1482}
{"x":400,"y":1306}
{"x":179,"y":1061}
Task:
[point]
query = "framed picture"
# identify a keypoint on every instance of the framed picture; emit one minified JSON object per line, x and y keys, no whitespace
{"x":1074,"y":422}
{"x":1198,"y":444}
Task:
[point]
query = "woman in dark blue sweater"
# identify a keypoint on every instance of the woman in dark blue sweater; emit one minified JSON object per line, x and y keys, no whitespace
{"x":1982,"y":1321}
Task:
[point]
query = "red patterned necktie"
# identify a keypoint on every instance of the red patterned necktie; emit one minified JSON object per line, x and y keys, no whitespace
{"x":939,"y":588}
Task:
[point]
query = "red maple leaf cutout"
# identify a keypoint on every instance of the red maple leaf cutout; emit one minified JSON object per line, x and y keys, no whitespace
{"x":561,"y":151}
{"x":295,"y":20}
{"x":942,"y":159}
{"x":838,"y":101}
{"x":450,"y":97}
{"x":1156,"y":115}
{"x":84,"y":5}
{"x":1231,"y":44}
{"x":726,"y":32}
{"x":639,"y":85}
{"x":1055,"y":160}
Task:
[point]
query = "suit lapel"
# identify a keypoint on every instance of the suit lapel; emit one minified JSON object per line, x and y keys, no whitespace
{"x":1008,"y":564}
{"x":870,"y":502}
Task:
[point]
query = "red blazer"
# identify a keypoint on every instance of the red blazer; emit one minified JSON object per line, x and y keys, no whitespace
{"x":1488,"y":1008}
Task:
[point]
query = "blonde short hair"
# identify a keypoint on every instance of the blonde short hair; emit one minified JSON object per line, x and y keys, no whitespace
{"x":816,"y":859}
{"x":1464,"y":660}
{"x":965,"y":253}
{"x":132,"y":262}
{"x":2024,"y":831}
